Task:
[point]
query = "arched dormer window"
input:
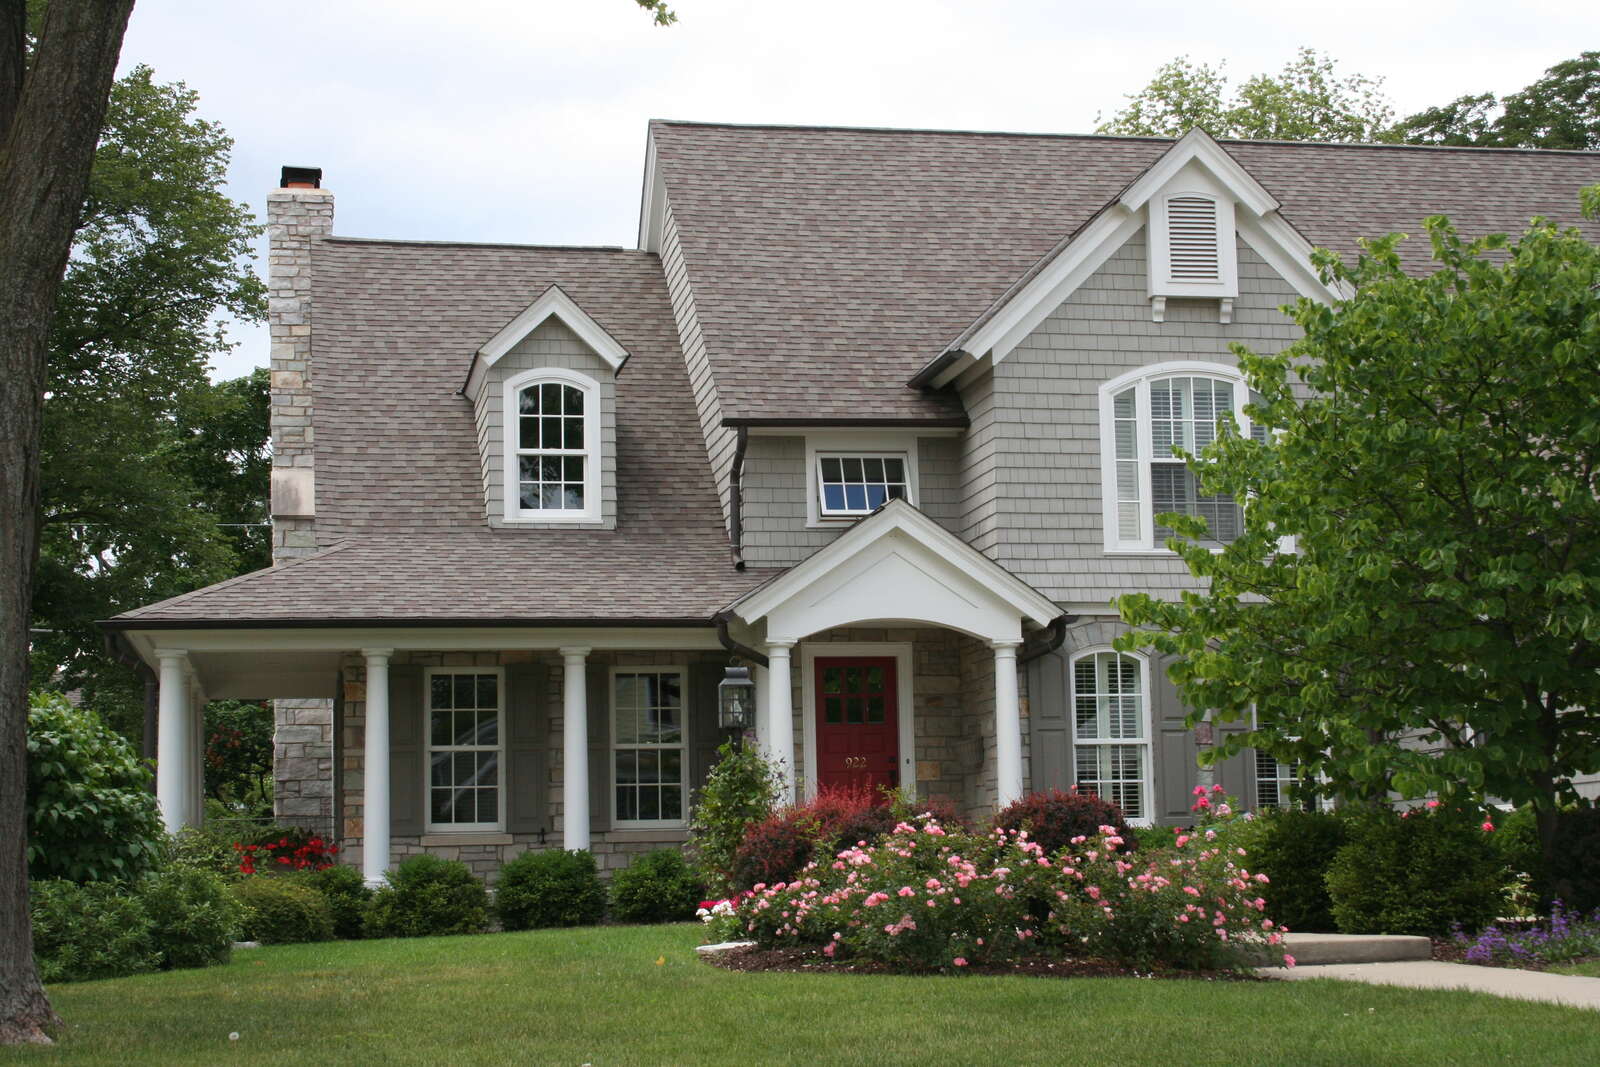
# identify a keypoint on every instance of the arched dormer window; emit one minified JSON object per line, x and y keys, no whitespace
{"x":552,"y":446}
{"x":1144,"y":416}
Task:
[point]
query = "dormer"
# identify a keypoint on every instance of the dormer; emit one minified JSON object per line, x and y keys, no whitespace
{"x":544,"y":396}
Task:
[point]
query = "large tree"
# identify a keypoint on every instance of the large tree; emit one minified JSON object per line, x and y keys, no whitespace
{"x":1307,"y":101}
{"x":52,"y":103}
{"x":1434,"y":626}
{"x":1559,"y":110}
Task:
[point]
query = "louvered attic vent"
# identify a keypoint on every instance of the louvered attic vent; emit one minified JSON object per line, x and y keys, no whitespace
{"x":1192,"y":233}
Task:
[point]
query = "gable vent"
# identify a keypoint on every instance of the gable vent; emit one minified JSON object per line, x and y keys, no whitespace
{"x":1192,"y":239}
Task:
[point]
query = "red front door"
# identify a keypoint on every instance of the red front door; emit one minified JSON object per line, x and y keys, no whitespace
{"x":858,"y":739}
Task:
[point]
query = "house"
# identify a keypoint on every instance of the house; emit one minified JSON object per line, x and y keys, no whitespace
{"x":883,"y":414}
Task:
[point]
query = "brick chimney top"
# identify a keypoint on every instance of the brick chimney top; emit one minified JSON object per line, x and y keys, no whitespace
{"x":302,"y":178}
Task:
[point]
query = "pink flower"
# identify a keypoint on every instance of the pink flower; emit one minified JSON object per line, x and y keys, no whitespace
{"x":1488,"y":827}
{"x":1199,"y":790}
{"x":827,"y":950}
{"x":960,"y":961}
{"x":1216,"y":789}
{"x":1288,"y":960}
{"x":1432,"y":804}
{"x":907,"y":891}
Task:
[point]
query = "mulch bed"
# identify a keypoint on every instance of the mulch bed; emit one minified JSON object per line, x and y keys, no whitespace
{"x":1448,"y":951}
{"x":812,"y":961}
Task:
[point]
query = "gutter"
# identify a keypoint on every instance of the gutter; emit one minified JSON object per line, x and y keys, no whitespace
{"x":744,"y":651}
{"x":1053,"y":637}
{"x":736,"y":499}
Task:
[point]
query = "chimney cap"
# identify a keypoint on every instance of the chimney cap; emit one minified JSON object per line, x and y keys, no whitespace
{"x":302,"y":178}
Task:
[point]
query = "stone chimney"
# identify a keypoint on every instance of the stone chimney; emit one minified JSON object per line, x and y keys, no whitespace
{"x":299,"y":213}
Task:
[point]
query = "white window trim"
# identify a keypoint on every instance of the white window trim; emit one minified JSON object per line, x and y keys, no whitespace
{"x":1147,"y":768}
{"x":613,"y":748}
{"x":1140,"y":380}
{"x":1324,"y":803}
{"x":850,"y":443}
{"x":593,"y":451}
{"x":428,"y":749}
{"x":1193,"y":181}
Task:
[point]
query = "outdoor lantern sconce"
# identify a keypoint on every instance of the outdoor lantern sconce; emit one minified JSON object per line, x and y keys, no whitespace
{"x":736,"y":699}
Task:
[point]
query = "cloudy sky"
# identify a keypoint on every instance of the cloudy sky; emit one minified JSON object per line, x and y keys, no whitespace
{"x":500,"y":120}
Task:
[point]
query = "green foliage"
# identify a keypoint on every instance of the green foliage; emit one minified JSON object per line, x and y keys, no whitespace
{"x":1434,"y":464}
{"x":1306,"y":101}
{"x":207,"y":847}
{"x":160,"y":258}
{"x":740,"y":790}
{"x":238,"y":755}
{"x":347,"y":896}
{"x":552,"y":887}
{"x":660,"y":13}
{"x":91,"y":815}
{"x":657,"y":887}
{"x":427,"y":896}
{"x":83,"y":932}
{"x":1418,"y":872}
{"x":1052,"y":818}
{"x":1559,"y":110}
{"x":193,"y":916}
{"x":1294,"y":849}
{"x":282,"y":911}
{"x":1574,"y":869}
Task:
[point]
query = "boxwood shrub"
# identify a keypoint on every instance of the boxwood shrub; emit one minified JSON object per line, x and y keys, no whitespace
{"x":193,"y":916}
{"x":282,"y":911}
{"x":657,"y":887}
{"x":552,"y":887}
{"x":1295,"y":849}
{"x":427,"y":896}
{"x":347,"y":895}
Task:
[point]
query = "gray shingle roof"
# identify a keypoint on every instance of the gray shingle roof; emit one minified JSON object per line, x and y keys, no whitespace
{"x":830,"y":265}
{"x":398,"y":476}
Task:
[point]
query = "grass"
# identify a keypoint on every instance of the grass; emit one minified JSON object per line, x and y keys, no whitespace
{"x":1586,"y":968}
{"x":638,"y":995}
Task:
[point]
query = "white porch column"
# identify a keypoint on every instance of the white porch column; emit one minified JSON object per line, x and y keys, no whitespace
{"x":1007,"y":725}
{"x":575,"y":749}
{"x":758,"y":675}
{"x":375,"y":769}
{"x":780,"y":716}
{"x":173,"y":738}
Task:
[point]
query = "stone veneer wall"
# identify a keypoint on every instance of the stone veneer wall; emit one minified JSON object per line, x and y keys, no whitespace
{"x":302,"y":740}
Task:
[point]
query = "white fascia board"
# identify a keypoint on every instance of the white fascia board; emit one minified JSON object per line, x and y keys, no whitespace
{"x":652,"y":201}
{"x":1286,"y":252}
{"x":1198,"y":146}
{"x":554,"y":301}
{"x":1037,"y":300}
{"x":249,"y":642}
{"x":898,"y":516}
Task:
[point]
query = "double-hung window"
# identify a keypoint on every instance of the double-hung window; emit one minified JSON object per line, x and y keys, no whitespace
{"x":649,"y":746}
{"x":552,"y":429}
{"x":1148,"y":417}
{"x":1111,"y":730}
{"x":464,"y":756}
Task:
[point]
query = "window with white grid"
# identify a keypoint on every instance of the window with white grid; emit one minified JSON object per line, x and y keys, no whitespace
{"x":552,"y":446}
{"x":649,"y":749}
{"x":1146,"y":419}
{"x":1110,"y":730}
{"x":859,"y":484}
{"x":464,"y":731}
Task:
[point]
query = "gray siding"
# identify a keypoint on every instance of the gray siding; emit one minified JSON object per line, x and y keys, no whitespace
{"x":773,"y":497}
{"x":1031,"y":463}
{"x":719,"y":439}
{"x":552,"y":344}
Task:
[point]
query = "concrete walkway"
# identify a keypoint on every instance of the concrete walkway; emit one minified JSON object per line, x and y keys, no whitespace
{"x":1432,"y":974}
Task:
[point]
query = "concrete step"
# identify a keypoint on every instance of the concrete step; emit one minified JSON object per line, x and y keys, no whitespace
{"x":1313,"y":950}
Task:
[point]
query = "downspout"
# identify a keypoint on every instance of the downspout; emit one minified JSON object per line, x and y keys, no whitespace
{"x":743,"y":651}
{"x":736,"y":504}
{"x":1050,"y":640}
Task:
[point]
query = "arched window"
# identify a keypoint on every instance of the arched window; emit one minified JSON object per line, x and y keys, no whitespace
{"x":1144,"y":417}
{"x":1111,"y":730}
{"x":552,"y":446}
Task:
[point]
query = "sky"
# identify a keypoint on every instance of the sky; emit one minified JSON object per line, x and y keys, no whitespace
{"x":524,"y":122}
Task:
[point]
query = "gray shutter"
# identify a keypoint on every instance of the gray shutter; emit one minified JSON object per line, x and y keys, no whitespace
{"x":1174,"y":752}
{"x":527,"y":748}
{"x":1236,"y":774}
{"x":598,"y":683}
{"x":705,"y":734}
{"x":1049,"y":723}
{"x":407,"y":753}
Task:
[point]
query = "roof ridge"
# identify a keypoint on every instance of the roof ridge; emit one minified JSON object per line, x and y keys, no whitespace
{"x":1136,"y":138}
{"x":342,"y":239}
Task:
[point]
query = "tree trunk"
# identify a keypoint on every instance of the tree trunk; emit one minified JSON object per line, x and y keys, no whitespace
{"x":51,"y":115}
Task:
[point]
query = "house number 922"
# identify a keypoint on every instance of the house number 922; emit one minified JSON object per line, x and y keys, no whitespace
{"x":855,"y":761}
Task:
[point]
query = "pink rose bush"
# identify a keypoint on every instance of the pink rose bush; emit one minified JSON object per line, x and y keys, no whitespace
{"x":925,"y":898}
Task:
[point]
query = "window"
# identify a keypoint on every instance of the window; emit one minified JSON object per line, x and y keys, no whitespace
{"x":1276,"y":783}
{"x":1110,"y":731}
{"x":1144,"y":418}
{"x":648,"y":746}
{"x":464,"y":733}
{"x":860,"y":484}
{"x":552,"y":433}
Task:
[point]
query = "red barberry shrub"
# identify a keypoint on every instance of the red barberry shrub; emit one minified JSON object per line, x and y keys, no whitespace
{"x":1053,"y":818}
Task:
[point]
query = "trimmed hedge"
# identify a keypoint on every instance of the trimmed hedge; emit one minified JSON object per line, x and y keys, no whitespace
{"x":283,"y":911}
{"x":552,"y":887}
{"x":1295,"y":850}
{"x":657,"y":887}
{"x":428,"y":896}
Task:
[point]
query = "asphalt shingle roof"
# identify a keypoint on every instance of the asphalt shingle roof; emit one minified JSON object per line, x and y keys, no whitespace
{"x":830,"y":265}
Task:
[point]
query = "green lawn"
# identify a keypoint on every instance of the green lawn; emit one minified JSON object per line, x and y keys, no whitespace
{"x":598,"y":996}
{"x":1588,"y":968}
